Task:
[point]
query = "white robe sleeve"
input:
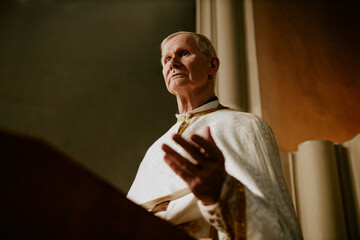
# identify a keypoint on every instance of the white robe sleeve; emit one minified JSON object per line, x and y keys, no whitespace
{"x":255,"y":203}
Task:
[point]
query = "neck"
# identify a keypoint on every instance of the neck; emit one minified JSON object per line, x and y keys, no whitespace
{"x":191,"y":102}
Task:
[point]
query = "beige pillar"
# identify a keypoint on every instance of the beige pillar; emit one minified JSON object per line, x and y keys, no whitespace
{"x":230,"y":43}
{"x":318,"y":194}
{"x":253,"y":85}
{"x":222,"y":22}
{"x":206,"y":20}
{"x":353,"y":154}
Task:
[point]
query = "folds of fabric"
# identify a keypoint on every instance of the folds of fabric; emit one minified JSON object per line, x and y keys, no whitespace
{"x":251,"y":160}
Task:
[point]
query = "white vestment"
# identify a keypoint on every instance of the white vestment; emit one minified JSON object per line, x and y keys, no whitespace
{"x":251,"y":161}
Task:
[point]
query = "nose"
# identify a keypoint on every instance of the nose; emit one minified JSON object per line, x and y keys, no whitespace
{"x":174,"y":63}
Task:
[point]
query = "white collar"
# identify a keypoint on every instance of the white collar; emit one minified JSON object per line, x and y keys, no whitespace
{"x":207,"y":106}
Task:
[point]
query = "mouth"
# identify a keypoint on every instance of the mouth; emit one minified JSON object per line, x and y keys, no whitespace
{"x":177,"y":75}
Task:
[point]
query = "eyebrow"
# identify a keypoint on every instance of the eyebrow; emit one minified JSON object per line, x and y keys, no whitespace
{"x":180,"y":49}
{"x":177,"y":51}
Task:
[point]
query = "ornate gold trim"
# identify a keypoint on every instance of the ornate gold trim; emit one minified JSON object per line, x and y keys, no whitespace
{"x":235,"y":216}
{"x":186,"y":119}
{"x":240,"y":215}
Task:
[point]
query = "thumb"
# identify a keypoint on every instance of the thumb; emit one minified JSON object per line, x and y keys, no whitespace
{"x":207,"y":134}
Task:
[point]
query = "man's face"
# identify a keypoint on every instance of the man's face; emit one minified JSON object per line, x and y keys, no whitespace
{"x":185,"y":69}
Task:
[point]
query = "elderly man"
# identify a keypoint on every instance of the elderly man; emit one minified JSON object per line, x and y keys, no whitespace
{"x":216,"y":173}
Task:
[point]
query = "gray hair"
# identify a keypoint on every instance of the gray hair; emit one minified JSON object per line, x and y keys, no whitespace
{"x":204,"y":44}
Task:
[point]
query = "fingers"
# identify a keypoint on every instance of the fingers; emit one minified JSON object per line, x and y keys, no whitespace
{"x":194,"y":151}
{"x":205,"y":150}
{"x":180,"y":165}
{"x":204,"y":178}
{"x":207,"y":134}
{"x":208,"y":144}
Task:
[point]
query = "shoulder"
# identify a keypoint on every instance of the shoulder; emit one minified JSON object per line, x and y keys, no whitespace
{"x":237,"y":124}
{"x":231,"y":116}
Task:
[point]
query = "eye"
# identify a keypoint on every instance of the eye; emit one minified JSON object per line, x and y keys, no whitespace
{"x":184,"y":53}
{"x":167,"y":59}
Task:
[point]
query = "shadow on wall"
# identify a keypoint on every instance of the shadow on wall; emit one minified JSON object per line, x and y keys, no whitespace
{"x":86,"y":76}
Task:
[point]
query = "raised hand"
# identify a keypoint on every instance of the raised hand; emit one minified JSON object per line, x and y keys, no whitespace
{"x":206,"y":176}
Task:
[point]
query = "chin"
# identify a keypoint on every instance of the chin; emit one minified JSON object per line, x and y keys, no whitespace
{"x":178,"y":85}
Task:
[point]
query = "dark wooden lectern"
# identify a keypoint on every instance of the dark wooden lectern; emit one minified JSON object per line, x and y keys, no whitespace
{"x":46,"y":195}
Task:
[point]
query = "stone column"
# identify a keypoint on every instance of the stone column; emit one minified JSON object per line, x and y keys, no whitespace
{"x":222,"y":21}
{"x":318,"y":193}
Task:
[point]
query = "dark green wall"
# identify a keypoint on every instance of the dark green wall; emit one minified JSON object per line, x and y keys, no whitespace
{"x":86,"y":77}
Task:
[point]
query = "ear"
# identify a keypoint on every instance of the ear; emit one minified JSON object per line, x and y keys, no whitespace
{"x":214,"y":65}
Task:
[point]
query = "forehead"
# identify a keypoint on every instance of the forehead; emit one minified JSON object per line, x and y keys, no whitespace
{"x":182,"y":41}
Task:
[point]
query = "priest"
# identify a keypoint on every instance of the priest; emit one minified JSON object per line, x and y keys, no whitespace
{"x":216,"y":173}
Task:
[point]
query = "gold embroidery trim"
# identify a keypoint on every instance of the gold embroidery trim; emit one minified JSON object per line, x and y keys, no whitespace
{"x":240,"y":215}
{"x":173,"y":196}
{"x":187,"y":118}
{"x":160,"y":207}
{"x":235,"y":218}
